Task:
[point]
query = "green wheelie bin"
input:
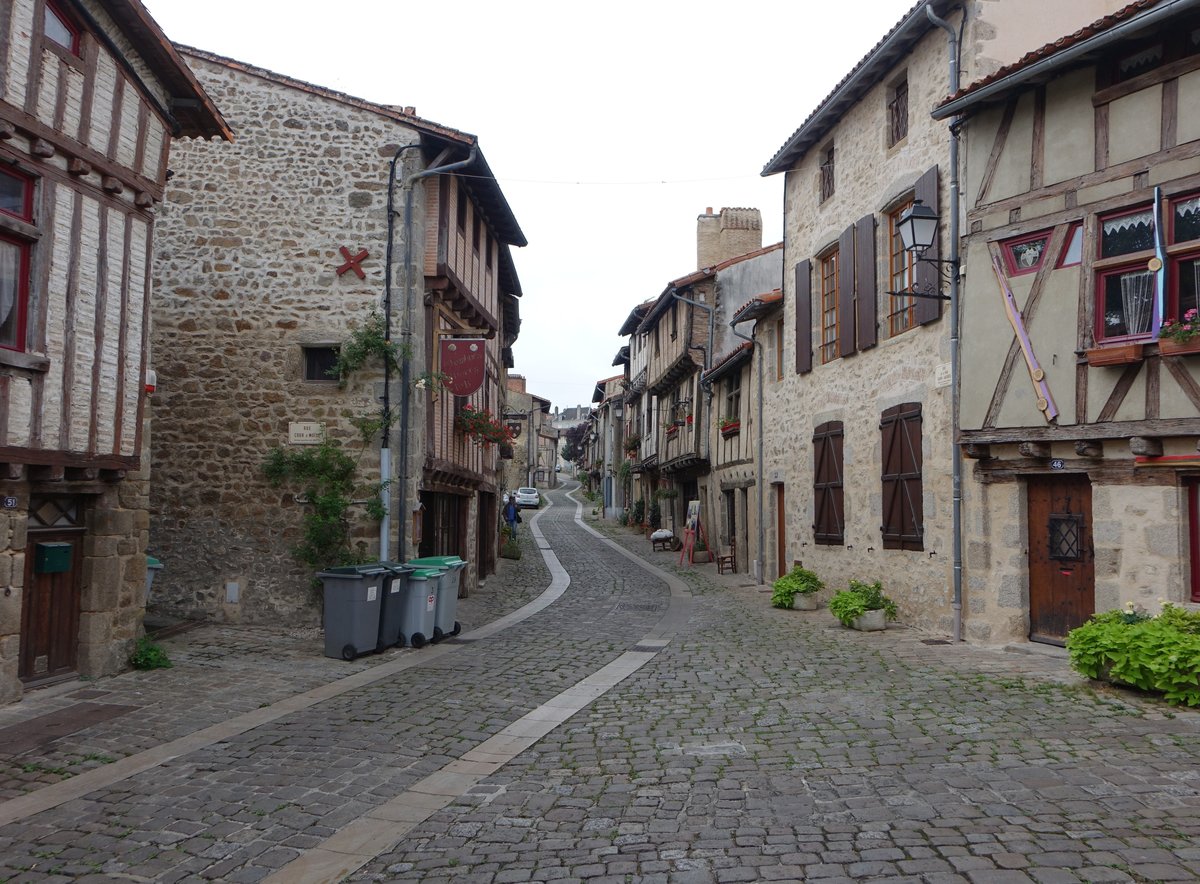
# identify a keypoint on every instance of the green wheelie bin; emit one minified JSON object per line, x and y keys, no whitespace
{"x":448,"y":592}
{"x":409,"y":606}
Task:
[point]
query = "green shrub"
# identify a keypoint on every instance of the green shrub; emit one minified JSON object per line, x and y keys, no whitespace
{"x":639,"y":511}
{"x":851,"y":603}
{"x":797,"y":581}
{"x":1157,"y":654}
{"x":147,"y":655}
{"x":655,"y":516}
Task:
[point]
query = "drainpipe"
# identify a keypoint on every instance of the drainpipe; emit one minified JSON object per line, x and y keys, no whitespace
{"x":759,"y":565}
{"x":953,"y":47}
{"x":406,"y":328}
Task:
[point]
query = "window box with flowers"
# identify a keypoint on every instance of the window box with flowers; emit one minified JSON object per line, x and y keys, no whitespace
{"x":1180,"y":336}
{"x":482,"y":426}
{"x":730,"y":426}
{"x":632,"y":445}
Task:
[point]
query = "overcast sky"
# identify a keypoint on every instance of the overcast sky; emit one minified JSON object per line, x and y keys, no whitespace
{"x":610,"y":127}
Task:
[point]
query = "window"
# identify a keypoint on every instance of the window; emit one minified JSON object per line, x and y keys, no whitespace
{"x":487,"y":242}
{"x":827,"y":173}
{"x":320,"y":363}
{"x":897,"y":112}
{"x":1073,"y":252}
{"x":733,"y":396}
{"x":16,"y":200}
{"x":674,"y":319}
{"x":902,"y":273}
{"x":903,"y":516}
{"x":60,"y":29}
{"x":829,"y":525}
{"x":475,"y":233}
{"x":1025,"y":254}
{"x":829,"y":307}
{"x":1126,"y":288}
{"x":462,"y":209}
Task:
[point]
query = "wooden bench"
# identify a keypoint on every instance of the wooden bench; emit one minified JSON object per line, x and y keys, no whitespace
{"x":666,"y":544}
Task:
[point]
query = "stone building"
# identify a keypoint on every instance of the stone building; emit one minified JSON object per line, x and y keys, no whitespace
{"x":1080,"y":415}
{"x":859,"y":445}
{"x":327,"y":216}
{"x":529,"y":418}
{"x":91,"y":95}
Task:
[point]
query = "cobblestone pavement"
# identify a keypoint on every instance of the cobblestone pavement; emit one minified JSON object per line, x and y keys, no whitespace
{"x":755,"y":744}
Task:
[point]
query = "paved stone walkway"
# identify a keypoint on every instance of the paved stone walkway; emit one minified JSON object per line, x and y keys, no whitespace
{"x":739,"y":743}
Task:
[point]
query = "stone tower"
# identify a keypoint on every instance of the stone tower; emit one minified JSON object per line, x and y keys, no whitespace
{"x":726,"y":235}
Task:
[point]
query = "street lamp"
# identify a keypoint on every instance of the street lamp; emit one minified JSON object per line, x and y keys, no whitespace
{"x":918,"y":227}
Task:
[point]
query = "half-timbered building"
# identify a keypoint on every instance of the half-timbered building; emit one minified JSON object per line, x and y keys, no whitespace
{"x":1082,"y":419}
{"x":328,"y":214}
{"x":91,"y":96}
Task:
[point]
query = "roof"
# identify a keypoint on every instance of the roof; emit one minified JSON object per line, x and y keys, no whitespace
{"x":757,"y":306}
{"x":730,"y":361}
{"x":659,"y":305}
{"x":622,"y":357}
{"x":190,"y":110}
{"x":867,"y":74}
{"x":434,"y":137}
{"x":635,"y":318}
{"x":1080,"y":47}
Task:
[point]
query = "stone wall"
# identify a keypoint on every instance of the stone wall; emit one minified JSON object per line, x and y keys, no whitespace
{"x":871,"y":178}
{"x":246,"y":273}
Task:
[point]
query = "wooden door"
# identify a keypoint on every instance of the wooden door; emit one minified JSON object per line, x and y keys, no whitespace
{"x":781,"y":567}
{"x":50,"y":610}
{"x":1062,"y":589}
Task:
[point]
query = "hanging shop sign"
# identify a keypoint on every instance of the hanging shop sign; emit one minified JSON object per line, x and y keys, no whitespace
{"x":462,"y":362}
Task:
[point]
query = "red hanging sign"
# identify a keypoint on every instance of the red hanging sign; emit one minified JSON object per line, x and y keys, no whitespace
{"x":462,"y":361}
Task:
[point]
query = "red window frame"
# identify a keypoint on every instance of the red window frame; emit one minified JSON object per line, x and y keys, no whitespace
{"x":67,"y":22}
{"x":1009,"y":250}
{"x":1115,"y":265}
{"x":26,"y":213}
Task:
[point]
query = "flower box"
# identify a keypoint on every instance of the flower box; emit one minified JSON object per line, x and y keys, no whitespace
{"x":1115,"y":354}
{"x":731,"y":429}
{"x":672,"y":432}
{"x":1167,"y":347}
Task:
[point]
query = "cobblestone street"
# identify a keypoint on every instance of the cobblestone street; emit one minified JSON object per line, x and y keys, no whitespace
{"x":649,"y":724}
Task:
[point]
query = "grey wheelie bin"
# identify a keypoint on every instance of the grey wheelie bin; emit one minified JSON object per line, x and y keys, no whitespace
{"x":353,"y":597}
{"x":409,"y":606}
{"x":449,"y":585}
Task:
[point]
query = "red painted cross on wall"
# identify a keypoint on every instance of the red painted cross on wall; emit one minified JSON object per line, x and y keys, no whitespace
{"x":352,"y":262}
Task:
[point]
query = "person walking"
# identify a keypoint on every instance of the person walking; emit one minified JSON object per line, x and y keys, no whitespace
{"x":511,"y":516}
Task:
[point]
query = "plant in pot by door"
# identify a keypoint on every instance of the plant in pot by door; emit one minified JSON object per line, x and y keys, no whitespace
{"x":797,"y":589}
{"x":863,"y":606}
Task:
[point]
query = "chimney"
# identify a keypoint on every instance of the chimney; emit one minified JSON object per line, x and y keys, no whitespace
{"x":732,"y":233}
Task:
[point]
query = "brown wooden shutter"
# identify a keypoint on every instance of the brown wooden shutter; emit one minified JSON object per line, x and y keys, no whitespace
{"x":804,"y":354}
{"x":829,"y":522}
{"x":903,"y":507}
{"x":846,"y":267}
{"x":864,"y":281}
{"x":928,"y":277}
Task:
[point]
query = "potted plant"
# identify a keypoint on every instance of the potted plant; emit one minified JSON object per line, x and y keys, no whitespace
{"x":730,"y":426}
{"x":863,"y":606}
{"x":1178,"y":336}
{"x":638,"y":516}
{"x":797,"y":589}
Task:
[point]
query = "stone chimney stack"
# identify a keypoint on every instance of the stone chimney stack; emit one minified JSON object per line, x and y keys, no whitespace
{"x":516,"y":383}
{"x":731,"y":233}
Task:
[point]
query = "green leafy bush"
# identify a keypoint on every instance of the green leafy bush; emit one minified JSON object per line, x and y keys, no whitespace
{"x":1156,"y":654}
{"x":851,"y":603}
{"x":798,"y":581}
{"x":639,"y":511}
{"x":147,"y":655}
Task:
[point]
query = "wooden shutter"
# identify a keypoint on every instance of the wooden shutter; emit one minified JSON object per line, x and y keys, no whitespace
{"x":903,"y":508}
{"x":864,"y":281}
{"x":829,"y":525}
{"x":928,"y":277}
{"x":804,"y":355}
{"x":845,"y":293}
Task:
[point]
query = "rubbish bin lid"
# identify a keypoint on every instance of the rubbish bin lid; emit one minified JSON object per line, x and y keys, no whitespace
{"x":425,"y":574}
{"x":368,"y":569}
{"x":439,"y":561}
{"x":152,"y":562}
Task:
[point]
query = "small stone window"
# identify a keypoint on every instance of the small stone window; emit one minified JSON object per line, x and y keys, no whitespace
{"x":320,"y":362}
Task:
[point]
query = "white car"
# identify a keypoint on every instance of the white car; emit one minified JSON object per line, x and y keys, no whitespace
{"x":527,"y":497}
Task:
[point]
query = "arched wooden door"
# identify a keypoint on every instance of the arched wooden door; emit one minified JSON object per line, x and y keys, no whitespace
{"x":1062,"y":585}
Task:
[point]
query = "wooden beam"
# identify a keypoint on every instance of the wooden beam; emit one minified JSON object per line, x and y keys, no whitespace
{"x":1161,"y":428}
{"x":1119,"y":392}
{"x":1144,"y":446}
{"x":1040,"y":450}
{"x":976,"y":452}
{"x":1089,"y":448}
{"x":989,"y":170}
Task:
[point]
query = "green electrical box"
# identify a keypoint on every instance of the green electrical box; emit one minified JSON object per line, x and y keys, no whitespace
{"x":52,"y":558}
